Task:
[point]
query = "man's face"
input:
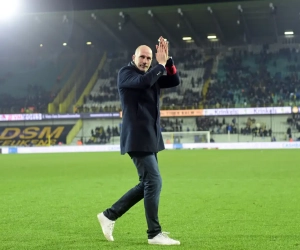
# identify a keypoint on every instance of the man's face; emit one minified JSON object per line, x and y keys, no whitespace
{"x":143,"y":58}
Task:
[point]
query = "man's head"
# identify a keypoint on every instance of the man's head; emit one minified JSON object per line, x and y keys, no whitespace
{"x":142,"y":57}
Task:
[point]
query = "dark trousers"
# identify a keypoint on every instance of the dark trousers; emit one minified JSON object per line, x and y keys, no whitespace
{"x":148,"y":189}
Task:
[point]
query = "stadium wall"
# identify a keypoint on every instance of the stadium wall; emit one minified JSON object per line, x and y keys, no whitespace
{"x":116,"y":148}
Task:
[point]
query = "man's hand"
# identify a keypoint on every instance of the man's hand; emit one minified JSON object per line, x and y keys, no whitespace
{"x":162,"y":52}
{"x":164,"y":44}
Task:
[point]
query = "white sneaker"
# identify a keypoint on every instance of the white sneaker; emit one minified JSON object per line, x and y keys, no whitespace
{"x":107,"y":226}
{"x":163,"y":239}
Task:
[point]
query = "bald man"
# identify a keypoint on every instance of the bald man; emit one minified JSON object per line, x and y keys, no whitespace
{"x":139,"y":87}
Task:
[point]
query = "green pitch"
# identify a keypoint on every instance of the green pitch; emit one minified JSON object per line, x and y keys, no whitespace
{"x":231,"y":200}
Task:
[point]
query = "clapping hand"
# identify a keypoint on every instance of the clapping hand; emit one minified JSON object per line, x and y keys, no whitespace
{"x":162,"y":54}
{"x":164,"y":44}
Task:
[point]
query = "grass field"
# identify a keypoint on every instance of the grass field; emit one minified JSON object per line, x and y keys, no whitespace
{"x":210,"y":200}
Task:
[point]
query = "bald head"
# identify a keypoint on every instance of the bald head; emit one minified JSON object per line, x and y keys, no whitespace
{"x":142,"y":57}
{"x":143,"y":48}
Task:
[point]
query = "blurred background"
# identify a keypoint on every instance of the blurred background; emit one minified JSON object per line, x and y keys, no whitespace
{"x":62,"y":57}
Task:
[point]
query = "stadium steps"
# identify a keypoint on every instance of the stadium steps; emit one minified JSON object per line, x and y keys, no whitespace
{"x":205,"y":87}
{"x":207,"y":74}
{"x":54,"y":106}
{"x":79,"y":85}
{"x":91,"y":83}
{"x":64,"y":76}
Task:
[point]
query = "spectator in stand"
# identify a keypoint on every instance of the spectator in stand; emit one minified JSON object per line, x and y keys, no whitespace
{"x":258,"y":86}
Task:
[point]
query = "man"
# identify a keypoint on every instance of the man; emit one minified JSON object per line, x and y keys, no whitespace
{"x":139,"y":87}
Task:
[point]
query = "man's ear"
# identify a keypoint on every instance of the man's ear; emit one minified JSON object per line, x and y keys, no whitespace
{"x":133,"y":57}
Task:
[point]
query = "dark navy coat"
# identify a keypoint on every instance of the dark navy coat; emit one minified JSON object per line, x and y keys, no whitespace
{"x":139,"y":93}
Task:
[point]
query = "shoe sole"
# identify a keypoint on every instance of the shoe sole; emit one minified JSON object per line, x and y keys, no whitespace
{"x":177,"y":244}
{"x":170,"y":244}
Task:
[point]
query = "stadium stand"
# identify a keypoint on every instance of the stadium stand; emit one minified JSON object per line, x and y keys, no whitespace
{"x":241,"y":79}
{"x":256,"y":80}
{"x":27,"y":85}
{"x":78,"y":80}
{"x":191,"y":67}
{"x":231,"y":79}
{"x":104,"y":96}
